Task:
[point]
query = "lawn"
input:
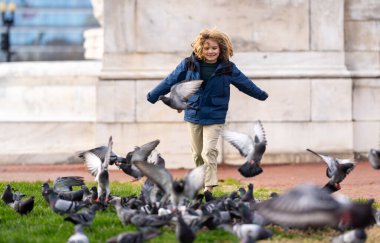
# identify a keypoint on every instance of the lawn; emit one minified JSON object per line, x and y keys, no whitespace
{"x":43,"y":225}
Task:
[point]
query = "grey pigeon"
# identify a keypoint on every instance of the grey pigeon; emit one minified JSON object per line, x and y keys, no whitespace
{"x":352,"y":236}
{"x":124,"y":214}
{"x":150,"y":191}
{"x":337,"y":170}
{"x":62,"y":206}
{"x":140,"y":153}
{"x":63,"y":186}
{"x":186,"y":187}
{"x":134,"y":237}
{"x":248,"y":196}
{"x":180,"y":93}
{"x":79,"y":236}
{"x":84,"y":216}
{"x":99,"y":169}
{"x":142,"y":220}
{"x":184,"y":233}
{"x":308,"y":205}
{"x":24,"y":207}
{"x":248,"y":232}
{"x":66,"y":183}
{"x":252,"y":148}
{"x":7,"y":195}
{"x":374,"y":158}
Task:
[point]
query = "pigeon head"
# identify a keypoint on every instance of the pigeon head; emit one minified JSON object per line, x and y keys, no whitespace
{"x":178,"y":186}
{"x":346,"y":167}
{"x":128,"y":158}
{"x":362,"y":215}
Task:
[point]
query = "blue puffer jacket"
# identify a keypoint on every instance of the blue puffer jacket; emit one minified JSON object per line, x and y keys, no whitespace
{"x":212,"y":98}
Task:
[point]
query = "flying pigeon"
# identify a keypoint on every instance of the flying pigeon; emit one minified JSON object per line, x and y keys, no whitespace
{"x":180,"y":93}
{"x":337,"y":170}
{"x":374,"y":158}
{"x":99,"y":169}
{"x":252,"y":148}
{"x":308,"y":205}
{"x":139,"y":153}
{"x":79,"y":235}
{"x":352,"y":236}
{"x":186,"y":187}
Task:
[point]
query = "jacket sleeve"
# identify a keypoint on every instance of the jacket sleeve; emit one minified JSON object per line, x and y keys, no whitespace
{"x":164,"y":86}
{"x":245,"y":85}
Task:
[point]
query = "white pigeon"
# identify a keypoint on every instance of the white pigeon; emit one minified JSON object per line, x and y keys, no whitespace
{"x":99,"y":169}
{"x":252,"y":148}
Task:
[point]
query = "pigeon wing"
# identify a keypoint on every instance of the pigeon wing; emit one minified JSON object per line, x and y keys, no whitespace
{"x":194,"y":181}
{"x":331,"y":166}
{"x":107,"y":156}
{"x":93,"y":162}
{"x":240,"y":141}
{"x":66,"y":182}
{"x":185,"y":89}
{"x":159,"y":176}
{"x":260,"y":133}
{"x":142,"y":153}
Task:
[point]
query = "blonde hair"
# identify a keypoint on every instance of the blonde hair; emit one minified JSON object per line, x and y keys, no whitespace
{"x":223,"y":40}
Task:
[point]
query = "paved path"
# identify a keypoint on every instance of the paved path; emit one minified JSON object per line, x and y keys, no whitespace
{"x":362,"y":182}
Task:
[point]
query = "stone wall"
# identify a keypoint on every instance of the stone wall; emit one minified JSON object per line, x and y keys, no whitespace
{"x":317,"y":59}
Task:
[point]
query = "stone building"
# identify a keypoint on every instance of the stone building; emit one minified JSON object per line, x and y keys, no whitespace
{"x":319,"y":60}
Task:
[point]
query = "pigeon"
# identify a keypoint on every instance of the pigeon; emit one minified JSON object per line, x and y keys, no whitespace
{"x":252,"y":148}
{"x":99,"y":169}
{"x":248,"y":232}
{"x":150,"y":191}
{"x":374,"y":158}
{"x":100,"y":152}
{"x":134,"y":237}
{"x":142,"y":220}
{"x":24,"y":207}
{"x":248,"y":196}
{"x":7,"y":195}
{"x":180,"y":93}
{"x":184,"y":233}
{"x":308,"y":205}
{"x":337,"y":170}
{"x":139,"y":153}
{"x":63,"y":186}
{"x":79,"y":235}
{"x":352,"y":236}
{"x":124,"y":214}
{"x":62,"y":206}
{"x":186,"y":187}
{"x":83,"y":217}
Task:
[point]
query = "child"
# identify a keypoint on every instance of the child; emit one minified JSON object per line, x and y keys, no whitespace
{"x":206,"y":117}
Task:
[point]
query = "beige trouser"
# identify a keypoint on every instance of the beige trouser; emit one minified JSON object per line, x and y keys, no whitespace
{"x":203,"y":140}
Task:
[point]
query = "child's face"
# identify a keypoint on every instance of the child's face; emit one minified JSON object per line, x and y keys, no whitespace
{"x":211,"y":51}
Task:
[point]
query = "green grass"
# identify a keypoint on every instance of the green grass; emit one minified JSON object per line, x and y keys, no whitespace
{"x":43,"y":225}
